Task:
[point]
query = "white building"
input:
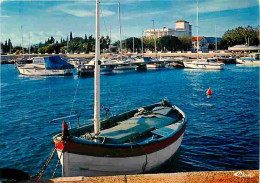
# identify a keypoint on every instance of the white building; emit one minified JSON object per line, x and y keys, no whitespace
{"x":182,"y":28}
{"x":203,"y":44}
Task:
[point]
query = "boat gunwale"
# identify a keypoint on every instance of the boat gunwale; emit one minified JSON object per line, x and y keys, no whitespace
{"x":82,"y":141}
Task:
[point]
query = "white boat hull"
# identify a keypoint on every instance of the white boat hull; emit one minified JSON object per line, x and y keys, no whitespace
{"x":82,"y":165}
{"x":44,"y":72}
{"x":248,"y":62}
{"x":191,"y":65}
{"x":152,"y":66}
{"x":127,"y":67}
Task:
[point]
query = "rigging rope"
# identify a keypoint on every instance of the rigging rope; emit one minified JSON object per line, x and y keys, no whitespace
{"x":72,"y":105}
{"x":103,"y":19}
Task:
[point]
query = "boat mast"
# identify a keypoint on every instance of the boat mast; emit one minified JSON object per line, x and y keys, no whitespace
{"x":133,"y":44}
{"x":67,"y":44}
{"x":119,"y":19}
{"x":22,"y":41}
{"x":97,"y":76}
{"x":216,"y":42}
{"x":154,"y":37}
{"x":110,"y":41}
{"x":197,"y":30}
{"x":142,"y":44}
{"x":29,"y":45}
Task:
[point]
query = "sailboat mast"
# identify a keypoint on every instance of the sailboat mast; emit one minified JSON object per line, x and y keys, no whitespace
{"x":110,"y":41}
{"x":216,"y":41}
{"x":133,"y":44}
{"x":29,"y":44}
{"x":197,"y":29}
{"x":22,"y":40}
{"x":67,"y":45}
{"x":142,"y":44}
{"x":154,"y":37}
{"x":119,"y":19}
{"x":97,"y":76}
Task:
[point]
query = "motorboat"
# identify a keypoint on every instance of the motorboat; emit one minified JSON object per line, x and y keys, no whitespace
{"x":46,"y":66}
{"x":252,"y":60}
{"x":203,"y":64}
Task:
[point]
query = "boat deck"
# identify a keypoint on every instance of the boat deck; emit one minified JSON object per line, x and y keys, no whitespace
{"x":132,"y":128}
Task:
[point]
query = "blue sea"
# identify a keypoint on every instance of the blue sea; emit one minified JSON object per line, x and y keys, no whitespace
{"x":222,"y":131}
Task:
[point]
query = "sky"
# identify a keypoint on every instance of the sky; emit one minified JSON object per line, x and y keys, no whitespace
{"x":42,"y":19}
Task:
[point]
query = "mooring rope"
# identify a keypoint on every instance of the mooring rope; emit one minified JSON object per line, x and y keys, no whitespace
{"x":39,"y":174}
{"x":57,"y":164}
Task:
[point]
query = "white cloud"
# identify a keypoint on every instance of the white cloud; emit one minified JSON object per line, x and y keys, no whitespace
{"x":81,"y":9}
{"x":4,"y":16}
{"x":141,"y":14}
{"x":79,"y":13}
{"x":220,"y":5}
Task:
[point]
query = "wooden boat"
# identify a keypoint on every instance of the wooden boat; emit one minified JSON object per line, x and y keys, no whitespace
{"x":133,"y":142}
{"x":136,"y":141}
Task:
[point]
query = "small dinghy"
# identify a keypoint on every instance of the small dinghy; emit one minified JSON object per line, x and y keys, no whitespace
{"x":134,"y":142}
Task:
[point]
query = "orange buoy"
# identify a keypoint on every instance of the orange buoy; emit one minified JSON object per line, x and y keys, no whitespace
{"x":209,"y":92}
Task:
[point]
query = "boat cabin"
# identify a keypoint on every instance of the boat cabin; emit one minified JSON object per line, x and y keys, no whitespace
{"x":38,"y":60}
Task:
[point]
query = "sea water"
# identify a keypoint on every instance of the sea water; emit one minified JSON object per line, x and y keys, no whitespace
{"x":222,"y":131}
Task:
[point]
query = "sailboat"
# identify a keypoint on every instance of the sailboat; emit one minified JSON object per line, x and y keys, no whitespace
{"x":123,"y":64}
{"x":133,"y":142}
{"x":202,"y":63}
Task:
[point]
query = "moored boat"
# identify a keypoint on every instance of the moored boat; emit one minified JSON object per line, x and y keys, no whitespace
{"x":252,"y":60}
{"x":136,"y":141}
{"x":133,"y":142}
{"x":85,"y":70}
{"x":46,"y":66}
{"x":204,"y":64}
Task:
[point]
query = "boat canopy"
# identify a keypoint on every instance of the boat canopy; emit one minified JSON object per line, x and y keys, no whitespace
{"x":147,"y":59}
{"x":55,"y":62}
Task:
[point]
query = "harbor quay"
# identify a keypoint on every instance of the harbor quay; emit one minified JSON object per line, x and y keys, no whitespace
{"x":195,"y":177}
{"x":5,"y":58}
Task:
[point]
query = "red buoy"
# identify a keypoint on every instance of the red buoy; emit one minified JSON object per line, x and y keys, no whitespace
{"x":209,"y":92}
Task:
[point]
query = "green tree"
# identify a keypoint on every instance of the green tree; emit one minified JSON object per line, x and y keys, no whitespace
{"x":169,"y":43}
{"x":148,"y":43}
{"x":240,"y":35}
{"x":71,"y":36}
{"x":185,"y":42}
{"x":128,"y":44}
